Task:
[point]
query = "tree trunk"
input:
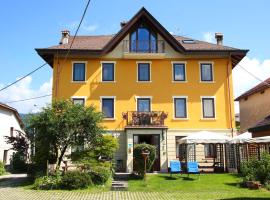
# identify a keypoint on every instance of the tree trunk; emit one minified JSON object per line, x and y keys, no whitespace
{"x":59,"y":159}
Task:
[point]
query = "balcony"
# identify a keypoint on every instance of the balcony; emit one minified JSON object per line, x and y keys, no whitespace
{"x":136,"y":119}
{"x":137,"y":49}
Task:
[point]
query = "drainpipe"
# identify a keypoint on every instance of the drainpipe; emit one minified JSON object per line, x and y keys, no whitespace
{"x":229,"y":96}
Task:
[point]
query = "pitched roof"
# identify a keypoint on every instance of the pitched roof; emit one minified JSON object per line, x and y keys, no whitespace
{"x":258,"y":88}
{"x":102,"y":44}
{"x":261,"y":126}
{"x":11,"y":109}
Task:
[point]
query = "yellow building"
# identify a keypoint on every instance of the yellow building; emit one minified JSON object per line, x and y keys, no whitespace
{"x":152,"y":86}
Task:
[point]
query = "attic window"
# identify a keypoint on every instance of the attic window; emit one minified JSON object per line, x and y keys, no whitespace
{"x":246,"y":98}
{"x":188,"y":41}
{"x":262,"y":92}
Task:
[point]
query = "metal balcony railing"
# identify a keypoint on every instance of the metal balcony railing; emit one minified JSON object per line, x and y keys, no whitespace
{"x":144,"y":119}
{"x":143,"y":46}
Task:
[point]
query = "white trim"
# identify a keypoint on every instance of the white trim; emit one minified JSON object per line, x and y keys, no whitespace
{"x":108,"y":97}
{"x":185,"y":66}
{"x":215,"y":109}
{"x":85,"y":70}
{"x":179,"y":118}
{"x":213,"y":71}
{"x":143,"y":97}
{"x":150,"y":68}
{"x":114,"y":70}
{"x":79,"y":97}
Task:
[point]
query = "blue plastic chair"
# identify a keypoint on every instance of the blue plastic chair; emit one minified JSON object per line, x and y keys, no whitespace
{"x":175,"y":166}
{"x":193,"y":168}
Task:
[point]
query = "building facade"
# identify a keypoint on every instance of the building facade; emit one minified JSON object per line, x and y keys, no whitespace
{"x":151,"y":86}
{"x":254,"y":105}
{"x":11,"y":125}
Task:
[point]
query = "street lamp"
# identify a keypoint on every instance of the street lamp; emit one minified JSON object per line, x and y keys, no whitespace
{"x":145,"y":154}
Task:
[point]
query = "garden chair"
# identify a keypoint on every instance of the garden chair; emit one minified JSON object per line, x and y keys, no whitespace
{"x":193,"y":168}
{"x":175,"y":167}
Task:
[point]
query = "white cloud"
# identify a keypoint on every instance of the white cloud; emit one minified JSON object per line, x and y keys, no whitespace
{"x":23,"y":90}
{"x":243,"y":81}
{"x":209,"y":37}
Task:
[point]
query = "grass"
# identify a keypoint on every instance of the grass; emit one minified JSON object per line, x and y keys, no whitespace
{"x":207,"y":186}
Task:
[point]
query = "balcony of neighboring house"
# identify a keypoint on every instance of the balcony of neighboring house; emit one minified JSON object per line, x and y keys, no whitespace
{"x":141,"y":119}
{"x":143,"y":49}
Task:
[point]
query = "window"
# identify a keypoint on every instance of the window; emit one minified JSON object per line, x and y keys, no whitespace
{"x":180,"y":107}
{"x":143,"y":105}
{"x":80,"y":101}
{"x":78,"y":71}
{"x":143,"y":40}
{"x":143,"y":72}
{"x":179,"y":72}
{"x":107,"y":71}
{"x":108,"y":107}
{"x":206,"y":72}
{"x":209,"y":151}
{"x":208,"y":105}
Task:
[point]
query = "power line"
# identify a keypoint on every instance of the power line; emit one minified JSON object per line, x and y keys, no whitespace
{"x":23,"y":77}
{"x":47,"y":95}
{"x":254,"y":76}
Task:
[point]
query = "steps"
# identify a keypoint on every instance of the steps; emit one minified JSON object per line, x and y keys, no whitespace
{"x":120,"y":181}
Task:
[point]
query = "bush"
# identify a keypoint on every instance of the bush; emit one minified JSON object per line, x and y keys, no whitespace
{"x":2,"y":168}
{"x":139,"y":160}
{"x":100,"y":175}
{"x":257,"y":170}
{"x":17,"y":163}
{"x":47,"y":183}
{"x":75,"y":180}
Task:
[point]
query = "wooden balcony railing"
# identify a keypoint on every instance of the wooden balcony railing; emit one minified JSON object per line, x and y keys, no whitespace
{"x":144,"y":119}
{"x":144,"y":46}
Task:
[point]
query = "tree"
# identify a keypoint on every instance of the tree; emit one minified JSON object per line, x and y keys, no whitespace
{"x":62,"y":125}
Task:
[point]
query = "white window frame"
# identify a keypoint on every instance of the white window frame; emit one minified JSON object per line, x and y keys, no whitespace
{"x":185,"y":66}
{"x":150,"y":69}
{"x":72,"y":69}
{"x":215,"y":109}
{"x":79,"y":97}
{"x":213,"y":71}
{"x":101,"y":67}
{"x":180,"y":118}
{"x":143,"y":97}
{"x":114,"y":100}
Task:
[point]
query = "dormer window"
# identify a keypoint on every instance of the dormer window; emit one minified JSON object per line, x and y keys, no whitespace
{"x":143,"y":40}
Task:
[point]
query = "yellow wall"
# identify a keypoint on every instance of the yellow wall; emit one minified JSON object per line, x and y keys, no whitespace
{"x":162,"y":89}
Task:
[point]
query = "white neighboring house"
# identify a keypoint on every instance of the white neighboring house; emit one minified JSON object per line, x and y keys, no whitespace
{"x":10,"y":124}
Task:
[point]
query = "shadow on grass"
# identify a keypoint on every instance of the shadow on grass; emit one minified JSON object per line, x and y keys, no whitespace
{"x":15,"y":182}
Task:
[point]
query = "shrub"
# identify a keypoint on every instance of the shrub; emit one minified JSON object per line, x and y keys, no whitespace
{"x":47,"y":183}
{"x":17,"y":163}
{"x":2,"y":168}
{"x":100,"y":175}
{"x":257,"y":170}
{"x":139,"y":160}
{"x":75,"y":180}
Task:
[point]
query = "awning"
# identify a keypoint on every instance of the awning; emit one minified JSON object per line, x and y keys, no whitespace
{"x":205,"y":137}
{"x":242,"y":138}
{"x":265,"y":139}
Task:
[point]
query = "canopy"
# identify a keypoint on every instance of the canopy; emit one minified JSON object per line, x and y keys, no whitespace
{"x":204,"y":137}
{"x":242,"y":138}
{"x":265,"y":139}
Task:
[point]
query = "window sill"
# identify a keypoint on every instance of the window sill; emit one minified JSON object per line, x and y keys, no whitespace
{"x":79,"y":82}
{"x":144,"y":81}
{"x":208,"y":119}
{"x":179,"y":81}
{"x":108,"y":81}
{"x":109,"y":119}
{"x":180,"y":119}
{"x":207,"y":81}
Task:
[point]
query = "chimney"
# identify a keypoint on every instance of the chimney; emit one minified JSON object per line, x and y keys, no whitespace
{"x":123,"y":23}
{"x":11,"y":131}
{"x":65,"y":37}
{"x":219,"y":38}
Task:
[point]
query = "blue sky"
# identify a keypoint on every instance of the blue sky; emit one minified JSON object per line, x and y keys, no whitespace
{"x":30,"y":24}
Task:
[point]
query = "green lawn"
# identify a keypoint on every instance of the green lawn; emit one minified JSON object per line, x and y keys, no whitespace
{"x":208,"y":186}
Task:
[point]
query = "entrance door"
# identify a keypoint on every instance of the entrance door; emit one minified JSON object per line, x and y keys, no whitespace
{"x":153,"y":140}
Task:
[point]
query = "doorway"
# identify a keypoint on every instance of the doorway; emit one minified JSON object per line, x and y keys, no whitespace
{"x":153,"y":140}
